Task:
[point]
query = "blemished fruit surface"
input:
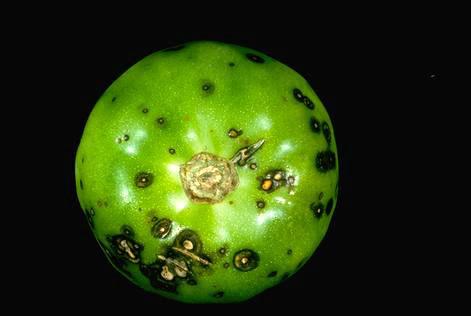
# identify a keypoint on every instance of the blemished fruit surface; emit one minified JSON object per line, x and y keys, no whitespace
{"x":208,"y":172}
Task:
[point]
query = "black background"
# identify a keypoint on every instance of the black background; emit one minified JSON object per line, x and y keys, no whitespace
{"x":380,"y":84}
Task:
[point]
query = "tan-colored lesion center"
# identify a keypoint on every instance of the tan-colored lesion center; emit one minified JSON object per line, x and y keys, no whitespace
{"x":207,"y":178}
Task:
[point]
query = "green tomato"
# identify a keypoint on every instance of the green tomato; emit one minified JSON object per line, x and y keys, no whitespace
{"x":208,"y":172}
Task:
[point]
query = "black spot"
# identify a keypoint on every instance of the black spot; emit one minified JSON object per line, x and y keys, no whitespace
{"x":253,"y":166}
{"x":127,"y":231}
{"x":329,"y":206}
{"x":222,"y":251}
{"x":301,"y":263}
{"x":145,"y":110}
{"x":284,"y":277}
{"x":160,"y":120}
{"x":208,"y":88}
{"x":171,"y":151}
{"x":298,"y":95}
{"x":226,"y":265}
{"x":337,"y":190}
{"x":143,"y":179}
{"x":81,"y":184}
{"x":321,"y":195}
{"x":289,"y":252}
{"x":317,"y":209}
{"x":255,"y":58}
{"x":162,"y":228}
{"x":83,"y":159}
{"x":114,"y":99}
{"x":125,"y":138}
{"x":187,"y":236}
{"x":308,"y":103}
{"x":191,"y":282}
{"x":231,"y":64}
{"x":218,"y":294}
{"x":326,"y":131}
{"x":90,"y":213}
{"x":315,"y":125}
{"x":325,"y":161}
{"x":246,"y":260}
{"x":231,"y":202}
{"x":174,"y":48}
{"x":272,"y":274}
{"x":260,"y":204}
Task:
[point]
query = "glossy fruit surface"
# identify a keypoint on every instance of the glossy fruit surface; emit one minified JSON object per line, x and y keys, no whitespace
{"x":208,"y":172}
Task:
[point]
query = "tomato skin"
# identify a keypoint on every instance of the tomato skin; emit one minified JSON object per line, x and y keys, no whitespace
{"x":208,"y":97}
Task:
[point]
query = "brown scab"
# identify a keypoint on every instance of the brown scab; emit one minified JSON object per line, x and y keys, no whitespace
{"x":246,"y":260}
{"x":143,"y":179}
{"x":233,"y":133}
{"x":253,"y":166}
{"x":273,"y":180}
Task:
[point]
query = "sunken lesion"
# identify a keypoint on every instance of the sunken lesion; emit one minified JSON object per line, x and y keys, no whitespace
{"x":208,"y":87}
{"x":174,"y":48}
{"x":176,"y":264}
{"x":246,"y":260}
{"x":325,"y":161}
{"x":255,"y":58}
{"x":302,"y":98}
{"x":143,"y":179}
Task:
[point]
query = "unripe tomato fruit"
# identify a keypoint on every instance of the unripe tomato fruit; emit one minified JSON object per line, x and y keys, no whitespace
{"x":208,"y":172}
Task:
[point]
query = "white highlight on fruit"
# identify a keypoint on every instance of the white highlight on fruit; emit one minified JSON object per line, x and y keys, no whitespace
{"x":280,"y":200}
{"x":174,"y":169}
{"x":285,"y":147}
{"x":178,"y":201}
{"x":263,"y":122}
{"x":267,"y":215}
{"x":125,"y":194}
{"x":191,"y":135}
{"x":137,"y":138}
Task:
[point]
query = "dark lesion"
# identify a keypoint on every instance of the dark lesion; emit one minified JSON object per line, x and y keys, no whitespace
{"x":246,"y":260}
{"x":174,"y":48}
{"x":326,"y":161}
{"x":255,"y":58}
